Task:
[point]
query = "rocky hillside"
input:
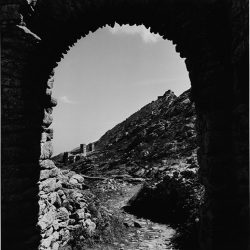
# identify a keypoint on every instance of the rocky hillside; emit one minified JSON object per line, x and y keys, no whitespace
{"x":162,"y":129}
{"x":154,"y":148}
{"x":159,"y":135}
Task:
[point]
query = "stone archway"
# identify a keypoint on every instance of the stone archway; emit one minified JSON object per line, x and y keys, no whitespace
{"x":210,"y":34}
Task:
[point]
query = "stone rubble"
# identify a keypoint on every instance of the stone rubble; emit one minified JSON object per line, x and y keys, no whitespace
{"x":62,"y":206}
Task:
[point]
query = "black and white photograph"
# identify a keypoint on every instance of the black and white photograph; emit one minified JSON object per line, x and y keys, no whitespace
{"x":124,"y":124}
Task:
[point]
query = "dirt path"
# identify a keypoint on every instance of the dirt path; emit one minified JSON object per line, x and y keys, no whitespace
{"x":141,"y":234}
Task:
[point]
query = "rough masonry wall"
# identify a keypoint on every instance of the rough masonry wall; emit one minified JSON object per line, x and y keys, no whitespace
{"x":212,"y":35}
{"x":20,"y":150}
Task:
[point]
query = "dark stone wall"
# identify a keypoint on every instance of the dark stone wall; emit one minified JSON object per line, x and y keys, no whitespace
{"x":213,"y":37}
{"x":19,"y":136}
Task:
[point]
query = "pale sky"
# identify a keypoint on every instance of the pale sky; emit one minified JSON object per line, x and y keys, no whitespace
{"x":107,"y":76}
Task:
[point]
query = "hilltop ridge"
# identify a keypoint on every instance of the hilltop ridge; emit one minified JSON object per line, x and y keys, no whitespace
{"x":161,"y":131}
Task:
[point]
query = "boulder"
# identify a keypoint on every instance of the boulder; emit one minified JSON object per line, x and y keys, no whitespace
{"x":73,"y":181}
{"x":49,"y":173}
{"x":42,"y":206}
{"x":55,"y":224}
{"x":55,"y":199}
{"x":49,"y":232}
{"x":80,"y":214}
{"x":65,"y":234}
{"x":46,"y":242}
{"x":78,"y":177}
{"x":62,"y":214}
{"x":46,"y":150}
{"x":55,"y":246}
{"x":55,"y":236}
{"x":91,"y":226}
{"x":47,"y":219}
{"x":50,"y":185}
{"x":47,"y":119}
{"x":43,"y":137}
{"x":47,"y":164}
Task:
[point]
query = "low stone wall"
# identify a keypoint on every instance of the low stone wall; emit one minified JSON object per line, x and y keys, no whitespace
{"x":63,"y":206}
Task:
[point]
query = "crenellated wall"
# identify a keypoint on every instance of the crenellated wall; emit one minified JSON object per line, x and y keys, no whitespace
{"x":213,"y":37}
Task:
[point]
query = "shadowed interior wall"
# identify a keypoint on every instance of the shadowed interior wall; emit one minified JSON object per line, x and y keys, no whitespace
{"x":213,"y":37}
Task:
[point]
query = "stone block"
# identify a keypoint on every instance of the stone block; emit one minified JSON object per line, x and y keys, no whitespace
{"x":55,"y":246}
{"x":46,"y":150}
{"x":49,"y":173}
{"x":47,"y":119}
{"x":78,"y":177}
{"x":47,"y":219}
{"x":50,"y":133}
{"x":49,"y":185}
{"x":47,"y":164}
{"x":62,"y":214}
{"x":80,"y":214}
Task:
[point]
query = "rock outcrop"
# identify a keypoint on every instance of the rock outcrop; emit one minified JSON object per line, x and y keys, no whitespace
{"x":164,"y":128}
{"x":157,"y":136}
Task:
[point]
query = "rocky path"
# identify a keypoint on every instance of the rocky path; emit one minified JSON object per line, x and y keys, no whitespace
{"x":140,"y":233}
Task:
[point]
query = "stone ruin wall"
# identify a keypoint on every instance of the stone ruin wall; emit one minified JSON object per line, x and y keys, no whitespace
{"x":83,"y":151}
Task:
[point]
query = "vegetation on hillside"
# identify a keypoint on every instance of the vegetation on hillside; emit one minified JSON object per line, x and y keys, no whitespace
{"x":156,"y":145}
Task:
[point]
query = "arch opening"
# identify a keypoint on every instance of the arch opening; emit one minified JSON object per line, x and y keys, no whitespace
{"x":114,"y":149}
{"x":126,"y":62}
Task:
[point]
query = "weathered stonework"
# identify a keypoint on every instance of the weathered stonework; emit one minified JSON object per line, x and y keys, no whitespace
{"x":213,"y":37}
